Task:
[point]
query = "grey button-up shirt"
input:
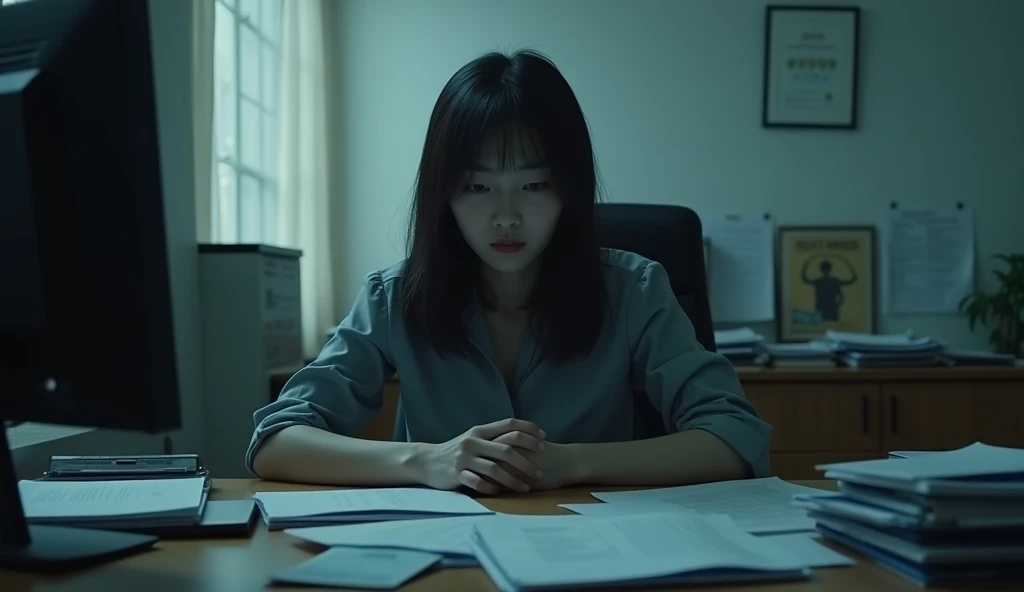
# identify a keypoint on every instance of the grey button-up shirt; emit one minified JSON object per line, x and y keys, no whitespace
{"x":647,"y":344}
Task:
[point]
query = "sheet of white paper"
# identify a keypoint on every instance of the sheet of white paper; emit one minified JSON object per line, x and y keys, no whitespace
{"x":801,"y":545}
{"x":101,"y":499}
{"x":297,"y":504}
{"x":345,"y":567}
{"x":973,"y":460}
{"x":567,"y":550}
{"x":450,"y":536}
{"x":757,"y":505}
{"x":929,"y":259}
{"x":740,"y":282}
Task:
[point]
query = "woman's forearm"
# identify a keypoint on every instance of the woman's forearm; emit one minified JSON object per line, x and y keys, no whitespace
{"x":306,"y":454}
{"x":693,"y":456}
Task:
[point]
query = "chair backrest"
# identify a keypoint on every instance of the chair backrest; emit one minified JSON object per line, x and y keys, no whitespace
{"x":672,"y":236}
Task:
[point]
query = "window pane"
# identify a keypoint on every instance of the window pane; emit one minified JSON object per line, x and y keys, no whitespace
{"x":250,"y":136}
{"x":225,"y":101}
{"x":270,"y":142}
{"x":250,"y":63}
{"x":250,"y":9}
{"x":251,"y":218}
{"x":270,"y":22}
{"x":270,"y":73}
{"x":269,"y":213}
{"x":227,"y":205}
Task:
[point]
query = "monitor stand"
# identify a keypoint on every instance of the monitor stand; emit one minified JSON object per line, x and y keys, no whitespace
{"x":52,"y":548}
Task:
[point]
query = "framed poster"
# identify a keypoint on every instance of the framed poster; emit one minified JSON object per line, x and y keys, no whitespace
{"x":825,"y":279}
{"x":810,"y":66}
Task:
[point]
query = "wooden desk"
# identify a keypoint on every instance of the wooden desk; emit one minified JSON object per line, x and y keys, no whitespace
{"x":226,"y":565}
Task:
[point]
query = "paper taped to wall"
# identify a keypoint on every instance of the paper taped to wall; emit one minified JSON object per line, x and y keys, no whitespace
{"x":929,"y":259}
{"x":740,"y":283}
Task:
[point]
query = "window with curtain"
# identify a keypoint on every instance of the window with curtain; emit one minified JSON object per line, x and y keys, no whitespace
{"x":247,"y":58}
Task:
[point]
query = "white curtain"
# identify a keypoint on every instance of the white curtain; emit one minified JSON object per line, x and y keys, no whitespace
{"x":203,"y":26}
{"x":304,"y":213}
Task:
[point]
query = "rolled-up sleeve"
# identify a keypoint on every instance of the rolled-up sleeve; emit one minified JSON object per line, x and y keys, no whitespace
{"x":341,"y":390}
{"x":693,"y":388}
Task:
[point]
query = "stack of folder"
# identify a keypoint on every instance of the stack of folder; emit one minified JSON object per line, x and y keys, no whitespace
{"x":741,"y":346}
{"x":944,"y":518}
{"x":799,"y":355}
{"x":902,"y":350}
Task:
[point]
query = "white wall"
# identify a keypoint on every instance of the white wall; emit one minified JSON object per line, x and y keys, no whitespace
{"x":672,"y":90}
{"x":170,"y":22}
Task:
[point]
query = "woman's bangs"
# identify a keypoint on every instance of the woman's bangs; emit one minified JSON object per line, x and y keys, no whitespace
{"x":496,"y":131}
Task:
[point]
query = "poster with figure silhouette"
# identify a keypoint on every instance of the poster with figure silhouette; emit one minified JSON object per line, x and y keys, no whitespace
{"x":826,"y":280}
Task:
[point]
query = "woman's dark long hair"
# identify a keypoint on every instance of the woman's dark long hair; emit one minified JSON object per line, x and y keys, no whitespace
{"x":506,"y":94}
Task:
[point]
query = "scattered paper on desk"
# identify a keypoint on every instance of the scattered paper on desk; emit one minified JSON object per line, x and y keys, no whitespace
{"x":929,"y":259}
{"x":62,"y":501}
{"x":802,"y":545}
{"x":538,"y":552}
{"x":626,"y":508}
{"x":302,"y":508}
{"x":757,"y":505}
{"x":448,"y":536}
{"x":344,"y":567}
{"x":740,"y":283}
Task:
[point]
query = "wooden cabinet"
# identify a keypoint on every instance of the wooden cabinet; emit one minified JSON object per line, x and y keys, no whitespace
{"x":834,"y":415}
{"x":928,"y":416}
{"x":1000,"y":414}
{"x":817,"y":417}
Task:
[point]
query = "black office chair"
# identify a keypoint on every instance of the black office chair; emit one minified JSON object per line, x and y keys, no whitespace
{"x":672,"y":236}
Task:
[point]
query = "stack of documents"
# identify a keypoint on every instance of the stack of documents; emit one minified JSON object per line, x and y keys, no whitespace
{"x":864,"y":350}
{"x":296,"y":509}
{"x":561,"y":552}
{"x":799,"y":355}
{"x":945,"y":518}
{"x":741,"y":346}
{"x":136,"y":504}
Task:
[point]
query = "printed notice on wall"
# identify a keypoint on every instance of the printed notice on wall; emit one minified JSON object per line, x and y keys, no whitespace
{"x":740,"y":283}
{"x":929,"y":259}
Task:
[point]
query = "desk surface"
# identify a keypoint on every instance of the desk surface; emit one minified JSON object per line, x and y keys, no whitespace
{"x":223,"y":565}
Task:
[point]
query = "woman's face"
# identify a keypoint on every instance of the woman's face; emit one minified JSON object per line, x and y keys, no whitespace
{"x":507,"y":216}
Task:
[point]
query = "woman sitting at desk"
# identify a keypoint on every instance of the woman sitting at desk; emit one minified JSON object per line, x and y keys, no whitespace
{"x":519,"y":342}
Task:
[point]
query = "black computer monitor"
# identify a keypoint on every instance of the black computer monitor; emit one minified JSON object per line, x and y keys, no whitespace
{"x":86,"y":330}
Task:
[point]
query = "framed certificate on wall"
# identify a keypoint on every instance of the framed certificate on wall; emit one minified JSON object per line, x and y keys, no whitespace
{"x":810,"y":66}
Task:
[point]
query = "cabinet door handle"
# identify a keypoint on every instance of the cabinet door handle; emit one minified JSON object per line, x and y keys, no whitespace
{"x":893,"y":409}
{"x":864,"y":413}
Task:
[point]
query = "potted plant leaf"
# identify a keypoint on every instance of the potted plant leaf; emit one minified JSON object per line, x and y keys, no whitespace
{"x":1003,"y":310}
